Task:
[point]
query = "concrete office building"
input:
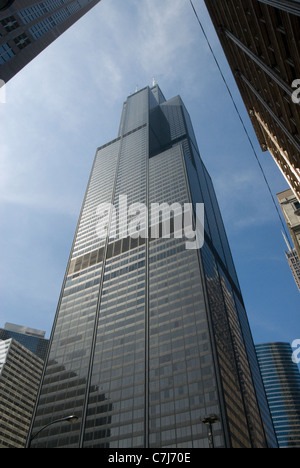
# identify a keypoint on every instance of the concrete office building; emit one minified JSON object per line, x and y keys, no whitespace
{"x":27,"y":27}
{"x":290,"y":207}
{"x":294,"y":264}
{"x":20,"y":373}
{"x":261,"y":40}
{"x":151,"y":334}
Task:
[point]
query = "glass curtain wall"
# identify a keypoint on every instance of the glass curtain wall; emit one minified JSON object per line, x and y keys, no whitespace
{"x":150,"y":337}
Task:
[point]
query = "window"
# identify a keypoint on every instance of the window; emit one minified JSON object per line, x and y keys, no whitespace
{"x":10,"y":23}
{"x":22,"y":41}
{"x":6,"y":53}
{"x":297,"y":206}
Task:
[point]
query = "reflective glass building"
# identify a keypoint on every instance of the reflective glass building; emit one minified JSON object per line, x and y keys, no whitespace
{"x":150,"y":335}
{"x":281,"y":378}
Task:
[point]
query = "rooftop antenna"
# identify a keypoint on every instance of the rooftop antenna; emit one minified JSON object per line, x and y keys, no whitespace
{"x":137,"y":88}
{"x":153,"y":81}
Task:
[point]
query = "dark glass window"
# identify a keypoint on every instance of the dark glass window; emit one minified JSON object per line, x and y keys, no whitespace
{"x":22,"y":41}
{"x":10,"y":23}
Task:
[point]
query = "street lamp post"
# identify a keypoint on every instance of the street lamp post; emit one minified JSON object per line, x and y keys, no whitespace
{"x":209,"y":421}
{"x":71,"y":419}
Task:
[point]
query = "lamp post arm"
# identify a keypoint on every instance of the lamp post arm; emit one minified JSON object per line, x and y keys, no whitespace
{"x":45,"y":427}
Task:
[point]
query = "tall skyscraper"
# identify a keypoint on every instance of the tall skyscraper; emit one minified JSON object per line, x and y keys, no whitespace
{"x":27,"y":27}
{"x":281,"y":378}
{"x":151,"y":334}
{"x":260,"y":39}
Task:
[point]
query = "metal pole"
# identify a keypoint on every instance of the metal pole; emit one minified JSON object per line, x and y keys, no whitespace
{"x":70,"y":419}
{"x":210,"y":436}
{"x":209,"y":421}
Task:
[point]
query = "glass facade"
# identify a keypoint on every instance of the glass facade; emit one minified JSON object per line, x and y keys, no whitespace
{"x":281,"y":378}
{"x":151,"y":337}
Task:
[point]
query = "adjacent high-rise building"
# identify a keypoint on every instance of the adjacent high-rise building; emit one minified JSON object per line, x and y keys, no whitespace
{"x":281,"y":378}
{"x":261,"y":40}
{"x":32,"y":339}
{"x":294,"y":264}
{"x":22,"y":355}
{"x":151,"y":335}
{"x":27,"y":27}
{"x":20,"y":374}
{"x":290,"y":207}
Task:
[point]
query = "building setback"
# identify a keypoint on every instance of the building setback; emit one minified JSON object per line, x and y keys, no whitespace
{"x":150,"y":335}
{"x":281,"y":378}
{"x":27,"y":27}
{"x":20,"y":373}
{"x":261,"y":40}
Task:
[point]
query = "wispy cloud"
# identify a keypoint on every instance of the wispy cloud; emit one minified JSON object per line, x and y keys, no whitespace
{"x":75,"y":88}
{"x":243,"y":198}
{"x":68,"y":101}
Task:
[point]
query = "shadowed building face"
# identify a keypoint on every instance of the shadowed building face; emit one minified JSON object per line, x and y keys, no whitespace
{"x":261,"y":41}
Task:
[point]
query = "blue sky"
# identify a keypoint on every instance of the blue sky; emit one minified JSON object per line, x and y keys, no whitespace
{"x":68,"y":101}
